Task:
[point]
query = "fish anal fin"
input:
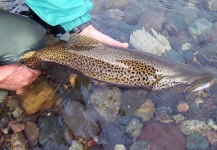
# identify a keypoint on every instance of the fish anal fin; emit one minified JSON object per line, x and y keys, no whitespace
{"x":81,"y":42}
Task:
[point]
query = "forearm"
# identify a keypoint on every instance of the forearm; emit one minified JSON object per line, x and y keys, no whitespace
{"x":67,"y":13}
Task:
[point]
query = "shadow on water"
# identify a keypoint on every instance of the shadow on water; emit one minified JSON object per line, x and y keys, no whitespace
{"x":65,"y":109}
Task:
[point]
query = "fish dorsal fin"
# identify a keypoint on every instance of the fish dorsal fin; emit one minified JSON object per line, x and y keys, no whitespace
{"x":81,"y":42}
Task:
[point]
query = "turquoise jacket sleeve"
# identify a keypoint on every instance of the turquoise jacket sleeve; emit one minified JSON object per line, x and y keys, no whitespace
{"x":67,"y":13}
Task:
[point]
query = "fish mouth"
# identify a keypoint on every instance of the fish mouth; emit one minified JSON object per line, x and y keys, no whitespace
{"x":203,"y":82}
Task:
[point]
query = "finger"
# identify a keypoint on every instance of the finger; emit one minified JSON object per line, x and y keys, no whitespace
{"x":110,"y":41}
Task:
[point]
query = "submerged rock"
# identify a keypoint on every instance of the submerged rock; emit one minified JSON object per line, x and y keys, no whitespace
{"x":76,"y":145}
{"x":40,"y":96}
{"x":106,"y":101}
{"x":157,"y":133}
{"x":120,"y":147}
{"x":3,"y":95}
{"x":134,"y":127}
{"x":192,"y":126}
{"x":196,"y":141}
{"x":140,"y":145}
{"x":51,"y":130}
{"x":144,"y":41}
{"x":200,"y":30}
{"x":112,"y":134}
{"x":18,"y":142}
{"x":79,"y":120}
{"x":146,"y":110}
{"x":31,"y":133}
{"x":120,"y":4}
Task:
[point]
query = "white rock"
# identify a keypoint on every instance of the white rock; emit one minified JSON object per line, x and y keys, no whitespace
{"x":156,"y":44}
{"x":120,"y":147}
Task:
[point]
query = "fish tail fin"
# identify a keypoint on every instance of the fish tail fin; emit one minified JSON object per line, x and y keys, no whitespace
{"x":30,"y":60}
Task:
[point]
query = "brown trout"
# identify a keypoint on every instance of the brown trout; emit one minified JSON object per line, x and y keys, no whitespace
{"x":121,"y":67}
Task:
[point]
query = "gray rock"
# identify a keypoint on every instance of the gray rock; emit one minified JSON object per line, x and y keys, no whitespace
{"x":77,"y":119}
{"x":174,"y":56}
{"x":31,"y":133}
{"x":140,"y":145}
{"x":196,"y":141}
{"x":200,"y":30}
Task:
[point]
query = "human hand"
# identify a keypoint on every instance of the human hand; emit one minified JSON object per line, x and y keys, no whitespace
{"x":16,"y":77}
{"x":90,"y":31}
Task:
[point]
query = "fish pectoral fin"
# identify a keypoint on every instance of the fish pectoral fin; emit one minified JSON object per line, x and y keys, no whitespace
{"x":81,"y":42}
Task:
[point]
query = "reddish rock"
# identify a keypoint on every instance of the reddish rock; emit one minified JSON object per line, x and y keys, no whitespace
{"x":16,"y":126}
{"x":163,"y":136}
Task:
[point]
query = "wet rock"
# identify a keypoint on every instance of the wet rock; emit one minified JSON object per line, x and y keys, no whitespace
{"x":191,"y":126}
{"x":164,"y":114}
{"x":134,"y":127}
{"x":212,"y":5}
{"x":146,"y":110}
{"x":25,"y":118}
{"x":76,"y":145}
{"x":196,"y":141}
{"x":212,"y":136}
{"x":3,"y":95}
{"x":116,"y":14}
{"x":120,"y":4}
{"x":98,"y":7}
{"x":106,"y":101}
{"x":17,"y":112}
{"x":4,"y":120}
{"x":40,"y":96}
{"x":16,"y":126}
{"x":72,"y":79}
{"x":183,"y":107}
{"x":51,"y":130}
{"x":200,"y":30}
{"x":178,"y":118}
{"x":18,"y":142}
{"x":91,"y":143}
{"x":157,"y":133}
{"x":131,"y":100}
{"x":140,"y":145}
{"x":212,"y":124}
{"x":112,"y":134}
{"x":151,"y":19}
{"x":154,"y":43}
{"x":120,"y":147}
{"x":132,"y":14}
{"x":79,"y":120}
{"x":31,"y":133}
{"x":174,"y":56}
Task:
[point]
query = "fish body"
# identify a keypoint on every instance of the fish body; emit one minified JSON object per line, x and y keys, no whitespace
{"x":121,"y":67}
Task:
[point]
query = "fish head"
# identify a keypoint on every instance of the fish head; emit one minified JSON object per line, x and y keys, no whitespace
{"x":184,"y":83}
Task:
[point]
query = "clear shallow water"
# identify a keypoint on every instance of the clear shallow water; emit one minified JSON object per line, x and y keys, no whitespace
{"x":107,"y":114}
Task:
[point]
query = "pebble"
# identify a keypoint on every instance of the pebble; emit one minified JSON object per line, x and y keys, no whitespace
{"x":140,"y":145}
{"x":196,"y":141}
{"x":16,"y":126}
{"x":212,"y":124}
{"x":76,"y":145}
{"x":91,"y":143}
{"x":31,"y":133}
{"x":40,"y":96}
{"x":146,"y":110}
{"x":212,"y":136}
{"x":72,"y":79}
{"x":200,"y":29}
{"x":192,"y":126}
{"x":18,"y":142}
{"x":182,"y":107}
{"x":134,"y":127}
{"x":179,"y":117}
{"x":120,"y":147}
